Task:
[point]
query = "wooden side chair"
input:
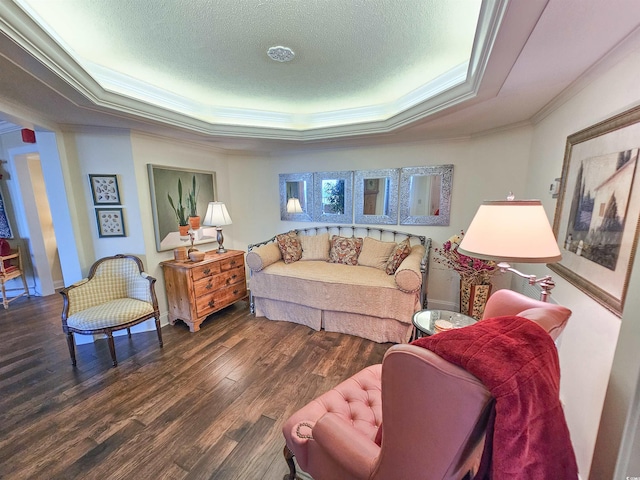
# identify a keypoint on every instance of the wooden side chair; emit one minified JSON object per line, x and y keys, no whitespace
{"x":10,"y":268}
{"x":116,"y":295}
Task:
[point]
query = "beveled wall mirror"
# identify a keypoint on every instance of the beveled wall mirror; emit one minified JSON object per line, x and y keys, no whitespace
{"x":296,"y":199}
{"x":376,"y":196}
{"x":333,"y":197}
{"x":425,"y":195}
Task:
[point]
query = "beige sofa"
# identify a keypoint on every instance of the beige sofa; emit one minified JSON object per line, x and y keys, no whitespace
{"x":361,"y":299}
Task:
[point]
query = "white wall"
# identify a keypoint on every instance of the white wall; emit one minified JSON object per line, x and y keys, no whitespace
{"x":589,"y":341}
{"x":147,"y":149}
{"x":485,"y":167}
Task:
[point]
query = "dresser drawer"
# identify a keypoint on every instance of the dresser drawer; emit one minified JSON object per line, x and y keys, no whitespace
{"x":220,"y":299}
{"x":206,"y":270}
{"x":212,"y":283}
{"x":233,"y":262}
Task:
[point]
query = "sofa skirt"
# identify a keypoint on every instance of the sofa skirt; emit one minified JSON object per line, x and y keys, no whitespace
{"x":381,"y":330}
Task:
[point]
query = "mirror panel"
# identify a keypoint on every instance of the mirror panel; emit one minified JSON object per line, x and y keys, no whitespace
{"x":296,"y":199}
{"x":333,"y":197}
{"x":425,"y":195}
{"x":376,"y":196}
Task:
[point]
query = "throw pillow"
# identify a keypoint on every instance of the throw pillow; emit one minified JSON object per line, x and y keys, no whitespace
{"x":401,"y":252}
{"x":345,"y":250}
{"x":315,"y":247}
{"x":263,"y":256}
{"x":375,"y":253}
{"x":290,"y":247}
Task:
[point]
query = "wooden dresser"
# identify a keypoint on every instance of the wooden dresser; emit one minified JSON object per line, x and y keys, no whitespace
{"x":197,"y":289}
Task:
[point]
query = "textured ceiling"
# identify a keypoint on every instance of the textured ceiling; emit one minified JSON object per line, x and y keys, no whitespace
{"x":207,"y":58}
{"x":541,"y":48}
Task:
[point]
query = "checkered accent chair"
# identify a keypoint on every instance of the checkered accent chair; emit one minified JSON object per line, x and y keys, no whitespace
{"x":116,"y":295}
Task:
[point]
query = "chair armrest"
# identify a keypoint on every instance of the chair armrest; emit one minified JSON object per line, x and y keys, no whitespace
{"x":142,"y":288}
{"x":74,"y":299}
{"x":353,"y":450}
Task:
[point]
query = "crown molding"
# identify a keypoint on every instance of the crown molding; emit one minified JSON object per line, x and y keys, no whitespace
{"x":100,"y":89}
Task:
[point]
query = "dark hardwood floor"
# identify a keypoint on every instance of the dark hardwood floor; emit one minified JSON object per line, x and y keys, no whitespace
{"x":209,"y":404}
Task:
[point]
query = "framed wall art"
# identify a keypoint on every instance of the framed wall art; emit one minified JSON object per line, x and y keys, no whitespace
{"x":104,"y":189}
{"x":5,"y":226}
{"x":596,"y":218}
{"x":179,"y":200}
{"x":110,"y":222}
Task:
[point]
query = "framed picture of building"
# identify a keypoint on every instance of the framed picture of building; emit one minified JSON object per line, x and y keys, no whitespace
{"x":596,"y":218}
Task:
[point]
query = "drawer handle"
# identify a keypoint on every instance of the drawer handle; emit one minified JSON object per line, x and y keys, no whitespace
{"x":206,"y":271}
{"x":233,"y":262}
{"x":235,"y":292}
{"x":211,"y":304}
{"x":209,"y":286}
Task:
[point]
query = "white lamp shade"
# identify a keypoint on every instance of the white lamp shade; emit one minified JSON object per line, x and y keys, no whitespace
{"x":217,"y":215}
{"x":293,"y":205}
{"x":511,"y":231}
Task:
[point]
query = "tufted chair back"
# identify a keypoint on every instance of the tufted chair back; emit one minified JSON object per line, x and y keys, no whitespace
{"x":434,"y":414}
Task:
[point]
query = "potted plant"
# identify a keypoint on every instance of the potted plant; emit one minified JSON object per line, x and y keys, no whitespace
{"x":180,"y":211}
{"x":192,"y":201}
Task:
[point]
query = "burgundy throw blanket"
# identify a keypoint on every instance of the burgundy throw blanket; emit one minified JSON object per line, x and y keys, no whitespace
{"x":527,"y":436}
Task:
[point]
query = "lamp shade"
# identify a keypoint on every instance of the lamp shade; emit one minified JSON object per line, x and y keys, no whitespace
{"x":293,"y":205}
{"x":511,"y":231}
{"x":217,"y":215}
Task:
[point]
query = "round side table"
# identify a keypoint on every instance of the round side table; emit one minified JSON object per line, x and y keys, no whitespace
{"x":424,"y":321}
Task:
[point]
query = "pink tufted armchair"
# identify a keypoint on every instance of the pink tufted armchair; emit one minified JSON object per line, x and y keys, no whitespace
{"x":435,"y":413}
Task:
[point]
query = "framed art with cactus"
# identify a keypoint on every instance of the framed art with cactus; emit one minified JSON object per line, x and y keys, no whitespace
{"x":178,"y":199}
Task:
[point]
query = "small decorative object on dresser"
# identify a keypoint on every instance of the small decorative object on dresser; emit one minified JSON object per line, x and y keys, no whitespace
{"x":195,"y":290}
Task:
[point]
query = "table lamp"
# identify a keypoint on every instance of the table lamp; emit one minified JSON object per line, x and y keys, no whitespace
{"x":293,"y":205}
{"x":513,"y":231}
{"x":217,"y":216}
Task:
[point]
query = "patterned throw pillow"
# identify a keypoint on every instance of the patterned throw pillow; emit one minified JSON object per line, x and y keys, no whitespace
{"x":290,"y":247}
{"x":345,"y":250}
{"x":401,"y":252}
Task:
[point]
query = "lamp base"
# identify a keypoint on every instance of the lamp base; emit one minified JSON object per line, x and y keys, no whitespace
{"x":220,"y":240}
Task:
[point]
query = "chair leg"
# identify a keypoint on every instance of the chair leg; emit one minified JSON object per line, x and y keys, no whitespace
{"x":129,"y":332}
{"x":4,"y":297}
{"x":72,"y":348}
{"x":288,"y":456}
{"x":159,"y":331}
{"x":24,"y":282}
{"x":112,"y":348}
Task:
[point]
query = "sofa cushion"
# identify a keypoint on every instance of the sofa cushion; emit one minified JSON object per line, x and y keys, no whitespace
{"x":375,"y":253}
{"x":315,"y":247}
{"x":110,"y":314}
{"x":290,"y":247}
{"x":345,"y":250}
{"x":401,"y":252}
{"x":263,"y":256}
{"x":408,"y":277}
